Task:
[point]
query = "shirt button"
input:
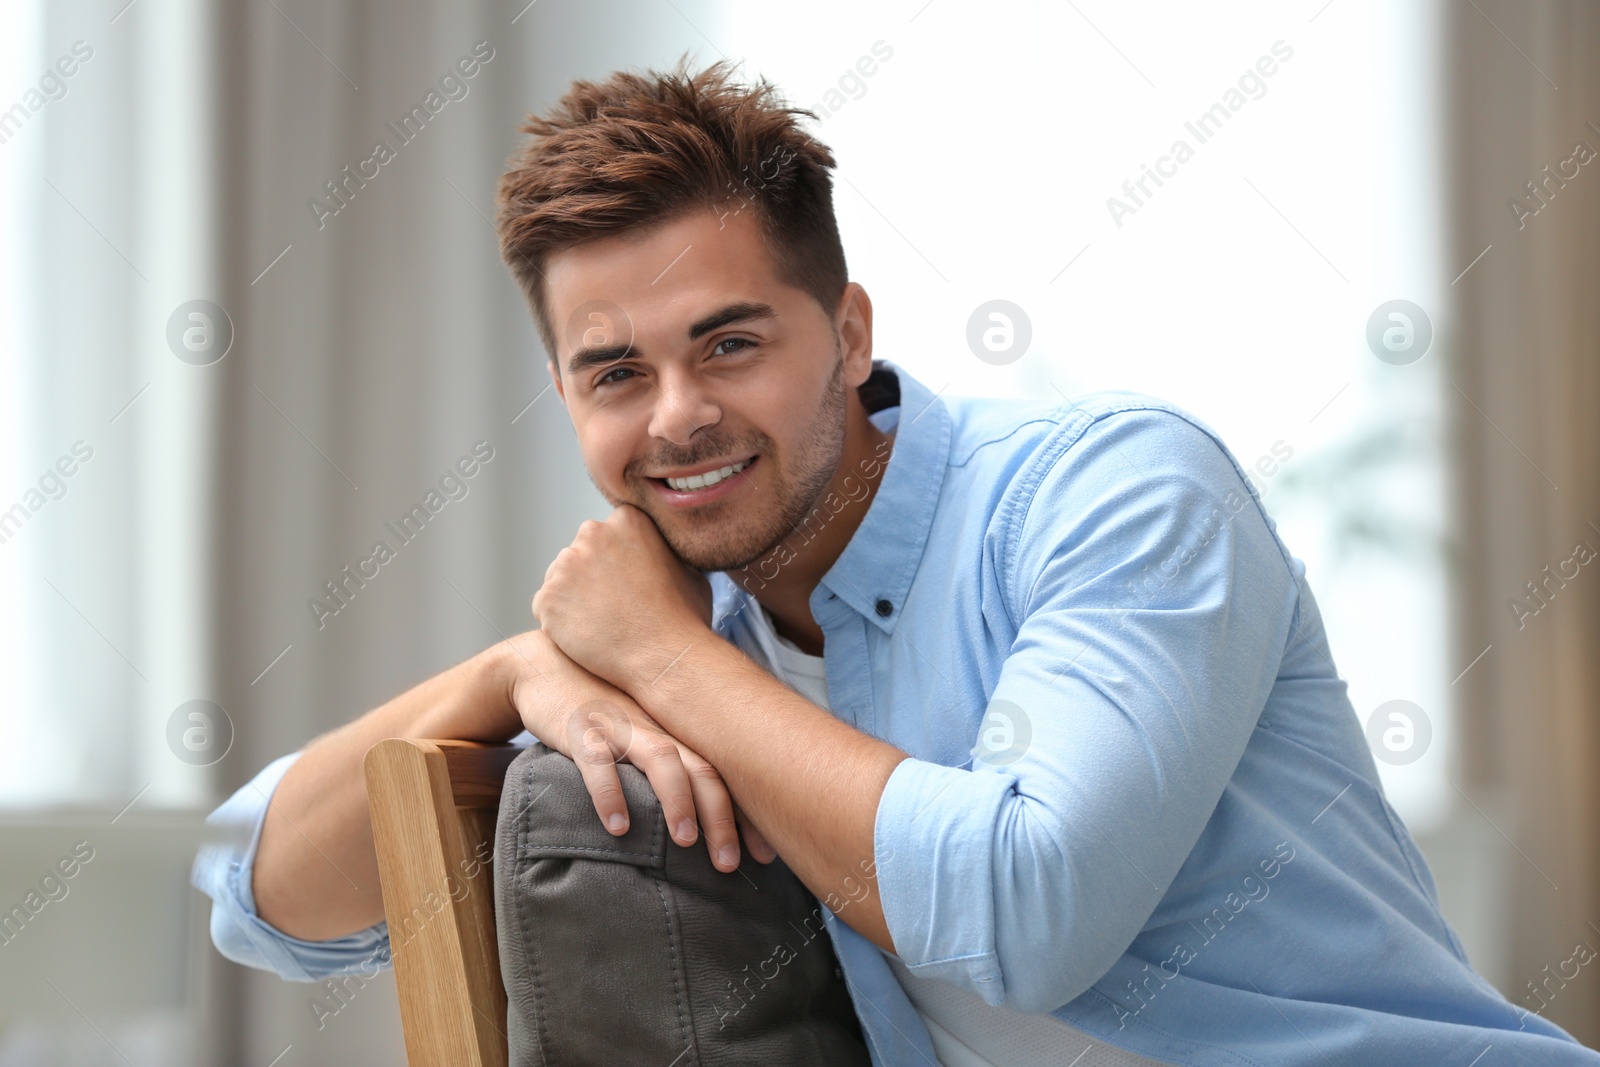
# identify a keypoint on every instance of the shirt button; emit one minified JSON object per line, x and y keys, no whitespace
{"x":884,"y":607}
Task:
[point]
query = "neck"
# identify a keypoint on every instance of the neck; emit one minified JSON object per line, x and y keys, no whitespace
{"x":782,"y":580}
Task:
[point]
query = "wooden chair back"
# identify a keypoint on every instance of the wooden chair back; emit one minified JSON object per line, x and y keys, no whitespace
{"x":433,"y":805}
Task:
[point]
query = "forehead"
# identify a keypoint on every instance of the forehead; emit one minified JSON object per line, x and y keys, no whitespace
{"x":668,"y":271}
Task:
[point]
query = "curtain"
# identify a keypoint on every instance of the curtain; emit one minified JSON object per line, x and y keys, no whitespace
{"x":275,"y":341}
{"x":1524,"y":89}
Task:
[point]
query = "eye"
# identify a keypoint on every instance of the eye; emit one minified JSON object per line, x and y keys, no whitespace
{"x":607,"y":379}
{"x":744,"y":341}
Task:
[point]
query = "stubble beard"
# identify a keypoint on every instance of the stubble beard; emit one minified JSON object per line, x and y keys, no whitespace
{"x":742,"y":538}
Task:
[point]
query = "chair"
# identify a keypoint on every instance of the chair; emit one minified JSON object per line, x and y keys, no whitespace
{"x":434,"y":805}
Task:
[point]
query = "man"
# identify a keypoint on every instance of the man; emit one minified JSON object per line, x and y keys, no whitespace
{"x":1058,"y":740}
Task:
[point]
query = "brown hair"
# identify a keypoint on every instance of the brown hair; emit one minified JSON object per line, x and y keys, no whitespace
{"x":635,"y":150}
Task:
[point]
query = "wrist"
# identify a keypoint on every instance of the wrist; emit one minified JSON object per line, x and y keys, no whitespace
{"x":670,"y":670}
{"x":518,"y":663}
{"x":481,"y":704}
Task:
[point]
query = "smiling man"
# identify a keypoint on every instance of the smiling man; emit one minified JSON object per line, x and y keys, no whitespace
{"x":759,"y":394}
{"x":1029,"y":695}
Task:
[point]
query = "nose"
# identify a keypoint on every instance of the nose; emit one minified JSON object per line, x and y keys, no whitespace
{"x":682,"y":408}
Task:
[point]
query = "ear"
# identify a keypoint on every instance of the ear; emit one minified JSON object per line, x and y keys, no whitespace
{"x":853,"y":321}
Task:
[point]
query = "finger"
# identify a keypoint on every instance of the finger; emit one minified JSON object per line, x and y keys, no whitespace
{"x":711,"y":799}
{"x":597,"y":764}
{"x":657,"y":756}
{"x":754,"y":840}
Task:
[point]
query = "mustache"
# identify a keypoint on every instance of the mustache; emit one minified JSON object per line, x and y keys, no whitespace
{"x":694,"y":458}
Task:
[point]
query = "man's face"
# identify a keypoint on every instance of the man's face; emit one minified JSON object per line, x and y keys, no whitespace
{"x":682,"y":354}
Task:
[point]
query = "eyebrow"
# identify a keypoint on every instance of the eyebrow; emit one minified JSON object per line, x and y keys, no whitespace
{"x":601,"y":355}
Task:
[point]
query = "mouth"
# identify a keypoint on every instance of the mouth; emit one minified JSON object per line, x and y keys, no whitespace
{"x":704,"y":487}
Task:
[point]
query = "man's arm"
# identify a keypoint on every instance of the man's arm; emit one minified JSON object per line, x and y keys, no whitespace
{"x":316,"y":873}
{"x":621,"y":604}
{"x":316,"y":869}
{"x":811,"y":782}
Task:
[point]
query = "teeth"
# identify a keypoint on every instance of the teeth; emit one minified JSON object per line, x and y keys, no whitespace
{"x":700,"y":481}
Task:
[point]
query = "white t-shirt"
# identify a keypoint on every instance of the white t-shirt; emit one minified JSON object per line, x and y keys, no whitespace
{"x":966,"y":1030}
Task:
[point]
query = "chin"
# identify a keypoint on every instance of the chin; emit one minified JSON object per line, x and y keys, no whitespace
{"x":717,"y":553}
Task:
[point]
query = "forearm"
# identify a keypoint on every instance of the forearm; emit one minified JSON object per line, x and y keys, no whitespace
{"x":316,"y":870}
{"x":810,"y":782}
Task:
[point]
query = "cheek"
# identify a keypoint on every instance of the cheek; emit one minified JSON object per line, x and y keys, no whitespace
{"x":796,"y":427}
{"x":606,"y":447}
{"x":611,"y":463}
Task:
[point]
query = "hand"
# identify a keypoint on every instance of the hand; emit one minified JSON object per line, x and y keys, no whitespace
{"x":617,"y":599}
{"x":598,"y":726}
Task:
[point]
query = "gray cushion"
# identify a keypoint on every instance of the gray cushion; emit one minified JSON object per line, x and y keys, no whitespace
{"x":624,"y":950}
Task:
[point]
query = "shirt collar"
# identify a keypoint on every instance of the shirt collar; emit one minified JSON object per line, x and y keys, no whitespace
{"x":874,"y":573}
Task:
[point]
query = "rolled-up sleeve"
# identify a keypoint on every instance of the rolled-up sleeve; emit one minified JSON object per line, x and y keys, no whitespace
{"x":223,"y":871}
{"x":1152,"y":605}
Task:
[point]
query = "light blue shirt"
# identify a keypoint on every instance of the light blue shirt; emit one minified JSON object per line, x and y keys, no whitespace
{"x":1138,"y":797}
